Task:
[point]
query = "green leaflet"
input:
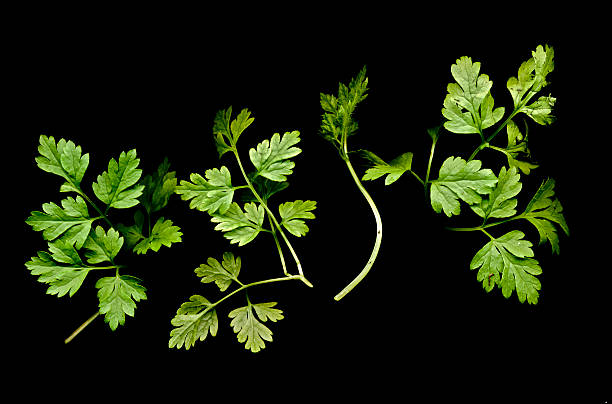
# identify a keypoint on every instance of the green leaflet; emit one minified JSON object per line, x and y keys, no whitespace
{"x":500,"y":202}
{"x":62,"y":269}
{"x":163,"y":233}
{"x":116,"y":186}
{"x":118,"y":296}
{"x":393,"y":170}
{"x":227,"y":131}
{"x":194,"y":320}
{"x":337,"y":122}
{"x":532,"y":77}
{"x":103,"y":246}
{"x":292,"y":213}
{"x":543,"y":211}
{"x":240,"y":226}
{"x":472,"y":94}
{"x":71,"y":221}
{"x":215,"y":193}
{"x":506,"y":262}
{"x":271,"y":157}
{"x":223,"y":274}
{"x":460,"y":180}
{"x":249,"y":329}
{"x":63,"y":159}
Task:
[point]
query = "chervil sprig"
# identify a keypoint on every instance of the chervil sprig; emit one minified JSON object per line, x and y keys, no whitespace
{"x":75,"y":247}
{"x":214,"y":193}
{"x":506,"y":261}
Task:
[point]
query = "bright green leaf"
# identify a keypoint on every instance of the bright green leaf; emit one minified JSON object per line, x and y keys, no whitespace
{"x":460,"y":180}
{"x":500,"y":202}
{"x":240,"y":226}
{"x":118,"y":296}
{"x":291,"y":214}
{"x":215,"y":193}
{"x":194,"y":320}
{"x":393,"y":170}
{"x":271,"y":157}
{"x":250,"y":330}
{"x":70,"y":222}
{"x":102,"y":246}
{"x":162,"y":234}
{"x":506,"y":261}
{"x":116,"y":186}
{"x":63,"y":159}
{"x":542,"y":211}
{"x":223,"y":274}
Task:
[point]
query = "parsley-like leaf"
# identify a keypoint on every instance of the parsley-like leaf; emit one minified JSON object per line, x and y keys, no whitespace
{"x":116,"y":186}
{"x":223,"y":274}
{"x":506,"y":261}
{"x":393,"y":170}
{"x":500,"y":202}
{"x":63,"y":270}
{"x":103,"y":246}
{"x":194,"y":320}
{"x":460,"y":180}
{"x":542,"y":211}
{"x":271,"y":157}
{"x":292,"y":213}
{"x":251,"y":331}
{"x":70,"y":222}
{"x":118,"y":296}
{"x":63,"y":159}
{"x":215,"y":193}
{"x":472,"y":94}
{"x":240,"y":226}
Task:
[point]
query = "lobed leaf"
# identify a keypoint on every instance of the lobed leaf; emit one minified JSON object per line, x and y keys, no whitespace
{"x":500,"y":202}
{"x":116,"y":186}
{"x":70,"y":222}
{"x":118,"y":296}
{"x":460,"y":180}
{"x":194,"y":320}
{"x":271,"y":157}
{"x":393,"y":170}
{"x":64,"y":159}
{"x":223,"y":274}
{"x":240,"y":226}
{"x":215,"y":193}
{"x":103,"y":246}
{"x":250,"y":330}
{"x":291,"y":214}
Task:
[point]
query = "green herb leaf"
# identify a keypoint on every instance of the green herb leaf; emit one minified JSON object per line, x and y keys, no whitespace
{"x":194,"y":320}
{"x":240,"y":226}
{"x":118,"y":296}
{"x":532,"y":76}
{"x":394,"y":169}
{"x":63,"y":159}
{"x":162,"y":234}
{"x":506,"y":262}
{"x":250,"y":330}
{"x":292,"y":213}
{"x":103,"y":246}
{"x":271,"y":157}
{"x":540,"y":110}
{"x":460,"y":180}
{"x":223,"y":274}
{"x":500,"y":202}
{"x":116,"y":186}
{"x":543,"y":211}
{"x":215,"y":193}
{"x":63,"y":270}
{"x":71,"y":222}
{"x":472,"y":94}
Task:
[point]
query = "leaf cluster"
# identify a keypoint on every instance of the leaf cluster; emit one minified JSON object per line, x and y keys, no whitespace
{"x":506,"y":261}
{"x":81,"y":241}
{"x":216,"y":193}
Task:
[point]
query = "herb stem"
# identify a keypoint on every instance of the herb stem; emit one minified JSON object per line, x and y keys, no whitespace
{"x":484,"y":226}
{"x":81,"y":327}
{"x":102,"y":214}
{"x":272,"y":218}
{"x":431,"y":154}
{"x":378,"y":219}
{"x":278,"y":247}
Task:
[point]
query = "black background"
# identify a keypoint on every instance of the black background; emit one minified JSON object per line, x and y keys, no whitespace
{"x":113,"y":80}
